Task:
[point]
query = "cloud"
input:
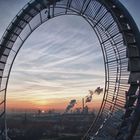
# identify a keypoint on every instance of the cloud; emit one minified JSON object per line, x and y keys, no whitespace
{"x":57,"y":62}
{"x":61,"y":59}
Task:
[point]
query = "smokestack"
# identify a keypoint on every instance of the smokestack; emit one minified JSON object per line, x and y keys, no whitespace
{"x":83,"y":104}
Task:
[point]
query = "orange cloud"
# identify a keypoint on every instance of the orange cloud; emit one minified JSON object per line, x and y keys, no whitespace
{"x":55,"y":104}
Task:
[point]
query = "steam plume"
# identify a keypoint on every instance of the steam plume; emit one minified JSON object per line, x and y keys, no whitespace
{"x":89,"y":97}
{"x":98,"y":90}
{"x":71,"y":105}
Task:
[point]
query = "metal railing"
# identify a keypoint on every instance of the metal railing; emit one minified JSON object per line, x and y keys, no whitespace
{"x":119,"y":41}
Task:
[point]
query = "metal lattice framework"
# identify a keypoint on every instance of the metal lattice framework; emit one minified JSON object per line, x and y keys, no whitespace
{"x":119,"y":39}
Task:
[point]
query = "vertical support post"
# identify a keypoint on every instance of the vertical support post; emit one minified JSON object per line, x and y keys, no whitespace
{"x":83,"y":104}
{"x":136,"y":117}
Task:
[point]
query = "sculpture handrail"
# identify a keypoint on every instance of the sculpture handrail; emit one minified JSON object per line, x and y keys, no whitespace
{"x":119,"y":39}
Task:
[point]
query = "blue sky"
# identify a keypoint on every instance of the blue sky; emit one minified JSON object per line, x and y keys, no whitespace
{"x":62,"y":62}
{"x":61,"y":59}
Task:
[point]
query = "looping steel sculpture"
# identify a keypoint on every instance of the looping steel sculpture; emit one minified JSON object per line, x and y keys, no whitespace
{"x":119,"y":39}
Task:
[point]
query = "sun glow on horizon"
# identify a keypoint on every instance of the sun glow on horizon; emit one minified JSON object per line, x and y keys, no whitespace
{"x":55,"y":65}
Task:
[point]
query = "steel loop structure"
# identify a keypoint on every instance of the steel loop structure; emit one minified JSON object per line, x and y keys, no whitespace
{"x":119,"y":39}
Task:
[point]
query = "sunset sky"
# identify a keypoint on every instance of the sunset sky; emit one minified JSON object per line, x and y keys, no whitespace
{"x":56,"y":64}
{"x":60,"y":61}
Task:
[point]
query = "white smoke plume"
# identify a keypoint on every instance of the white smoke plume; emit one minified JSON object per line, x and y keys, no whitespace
{"x":71,"y":105}
{"x":89,"y":97}
{"x":98,"y":90}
